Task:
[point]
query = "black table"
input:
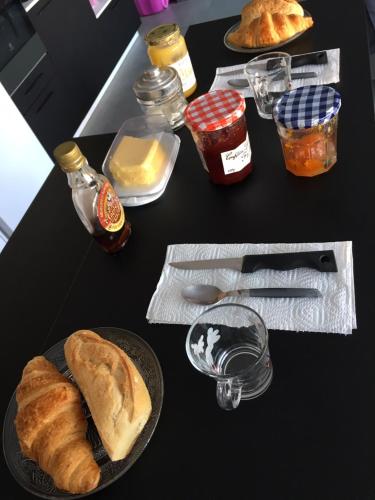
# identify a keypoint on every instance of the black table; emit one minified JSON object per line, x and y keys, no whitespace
{"x":312,"y":434}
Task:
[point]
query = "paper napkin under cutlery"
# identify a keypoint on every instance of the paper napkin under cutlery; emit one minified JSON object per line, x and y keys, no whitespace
{"x":333,"y":313}
{"x":326,"y":73}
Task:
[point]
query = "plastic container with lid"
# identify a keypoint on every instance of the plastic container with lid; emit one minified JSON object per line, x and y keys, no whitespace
{"x":167,"y":47}
{"x":218,"y":125}
{"x":141,"y":159}
{"x":306,"y":120}
{"x":159,"y":92}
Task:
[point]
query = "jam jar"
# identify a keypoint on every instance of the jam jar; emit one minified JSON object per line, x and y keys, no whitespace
{"x":218,"y":126}
{"x":306,"y":120}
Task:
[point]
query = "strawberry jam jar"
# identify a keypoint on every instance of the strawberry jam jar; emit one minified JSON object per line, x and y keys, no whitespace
{"x":218,"y":126}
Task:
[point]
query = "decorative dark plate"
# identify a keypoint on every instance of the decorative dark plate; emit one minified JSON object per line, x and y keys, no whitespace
{"x":31,"y":477}
{"x":257,"y":50}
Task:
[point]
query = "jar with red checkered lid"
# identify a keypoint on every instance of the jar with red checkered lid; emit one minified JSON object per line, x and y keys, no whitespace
{"x":218,"y":125}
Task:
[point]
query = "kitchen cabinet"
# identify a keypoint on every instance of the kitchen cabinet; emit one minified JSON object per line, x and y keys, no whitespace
{"x":52,"y":115}
{"x":48,"y":104}
{"x":84,"y":49}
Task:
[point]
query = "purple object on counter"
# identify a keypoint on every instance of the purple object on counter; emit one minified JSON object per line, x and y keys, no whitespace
{"x":148,"y":7}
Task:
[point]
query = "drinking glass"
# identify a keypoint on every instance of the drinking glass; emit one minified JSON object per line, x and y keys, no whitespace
{"x":229,"y":343}
{"x":269,"y":77}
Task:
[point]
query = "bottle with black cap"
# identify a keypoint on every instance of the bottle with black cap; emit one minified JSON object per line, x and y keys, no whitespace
{"x":95,"y":200}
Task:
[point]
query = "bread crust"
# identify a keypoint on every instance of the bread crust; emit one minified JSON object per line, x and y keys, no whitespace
{"x":51,"y":427}
{"x":113,"y":388}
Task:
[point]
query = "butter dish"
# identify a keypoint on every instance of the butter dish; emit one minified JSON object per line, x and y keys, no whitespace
{"x":141,"y":159}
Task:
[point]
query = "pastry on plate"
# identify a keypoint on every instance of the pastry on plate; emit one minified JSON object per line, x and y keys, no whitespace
{"x":265,"y":23}
{"x":113,"y":388}
{"x":256,"y":8}
{"x":270,"y":29}
{"x":51,"y":427}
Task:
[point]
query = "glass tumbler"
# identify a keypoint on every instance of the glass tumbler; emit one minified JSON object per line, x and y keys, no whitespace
{"x":229,"y":343}
{"x":269,"y":77}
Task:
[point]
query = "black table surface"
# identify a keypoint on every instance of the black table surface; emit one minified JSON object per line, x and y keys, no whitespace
{"x":312,"y":434}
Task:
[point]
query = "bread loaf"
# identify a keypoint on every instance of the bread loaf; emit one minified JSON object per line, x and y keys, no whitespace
{"x":114,"y":390}
{"x":270,"y":29}
{"x":51,"y":427}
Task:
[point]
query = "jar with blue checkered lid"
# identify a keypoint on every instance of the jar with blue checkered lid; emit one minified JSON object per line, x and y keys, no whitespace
{"x":306,"y":120}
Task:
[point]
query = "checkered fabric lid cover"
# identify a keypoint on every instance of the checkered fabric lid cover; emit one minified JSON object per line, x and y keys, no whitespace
{"x":215,"y":110}
{"x":307,"y":106}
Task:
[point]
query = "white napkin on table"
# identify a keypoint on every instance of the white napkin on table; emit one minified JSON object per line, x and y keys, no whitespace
{"x":333,"y":313}
{"x":326,"y":73}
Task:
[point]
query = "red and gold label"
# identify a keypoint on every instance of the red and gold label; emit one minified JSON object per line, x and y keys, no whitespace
{"x":110,"y":212}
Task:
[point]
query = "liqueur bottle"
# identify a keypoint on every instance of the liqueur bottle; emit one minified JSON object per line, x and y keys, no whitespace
{"x":95,"y":200}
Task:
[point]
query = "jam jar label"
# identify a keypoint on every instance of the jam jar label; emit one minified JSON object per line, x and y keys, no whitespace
{"x":110,"y":211}
{"x":237,"y":159}
{"x":185,"y":71}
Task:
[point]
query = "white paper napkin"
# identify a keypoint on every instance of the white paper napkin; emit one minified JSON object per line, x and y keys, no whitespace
{"x":333,"y":313}
{"x":326,"y":73}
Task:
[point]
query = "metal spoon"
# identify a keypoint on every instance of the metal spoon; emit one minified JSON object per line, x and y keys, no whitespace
{"x":209,"y":294}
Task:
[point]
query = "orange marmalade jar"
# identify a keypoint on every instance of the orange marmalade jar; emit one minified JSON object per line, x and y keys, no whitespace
{"x":306,"y":120}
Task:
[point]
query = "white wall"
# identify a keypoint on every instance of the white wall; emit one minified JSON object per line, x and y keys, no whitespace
{"x":24,"y":164}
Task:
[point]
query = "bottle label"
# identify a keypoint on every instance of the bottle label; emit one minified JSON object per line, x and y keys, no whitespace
{"x":110,"y":211}
{"x":185,"y":71}
{"x":237,"y":159}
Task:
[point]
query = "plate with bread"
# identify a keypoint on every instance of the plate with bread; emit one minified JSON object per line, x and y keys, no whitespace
{"x":267,"y":25}
{"x":83,"y":413}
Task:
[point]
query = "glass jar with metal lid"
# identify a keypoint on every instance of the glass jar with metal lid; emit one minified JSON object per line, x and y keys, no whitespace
{"x":159,"y":92}
{"x":167,"y":47}
{"x":306,"y":120}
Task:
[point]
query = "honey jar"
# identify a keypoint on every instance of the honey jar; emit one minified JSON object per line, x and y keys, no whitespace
{"x":167,"y":47}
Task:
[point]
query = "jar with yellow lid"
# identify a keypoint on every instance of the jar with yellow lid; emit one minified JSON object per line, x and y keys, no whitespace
{"x":167,"y":47}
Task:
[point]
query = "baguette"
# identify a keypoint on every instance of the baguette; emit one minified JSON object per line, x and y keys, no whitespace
{"x":51,"y":427}
{"x":113,"y":388}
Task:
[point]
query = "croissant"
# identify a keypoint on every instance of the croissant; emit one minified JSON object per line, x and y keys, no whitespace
{"x":256,"y":8}
{"x":270,"y":29}
{"x":51,"y":427}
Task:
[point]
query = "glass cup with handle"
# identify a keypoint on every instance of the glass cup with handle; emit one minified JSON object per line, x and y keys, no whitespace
{"x":229,"y":343}
{"x":269,"y":77}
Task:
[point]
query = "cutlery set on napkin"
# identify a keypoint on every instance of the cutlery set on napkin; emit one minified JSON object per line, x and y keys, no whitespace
{"x":314,"y":68}
{"x":293,"y":286}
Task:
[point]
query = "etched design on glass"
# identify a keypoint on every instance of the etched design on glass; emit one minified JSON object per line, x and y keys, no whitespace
{"x":212,"y":338}
{"x":198,"y":348}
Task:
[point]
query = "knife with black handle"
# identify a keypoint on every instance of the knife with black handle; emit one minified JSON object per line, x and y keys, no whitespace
{"x":323,"y":261}
{"x":301,"y":60}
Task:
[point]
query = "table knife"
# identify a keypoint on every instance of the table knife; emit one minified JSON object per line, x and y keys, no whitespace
{"x":296,"y":62}
{"x":302,"y":60}
{"x":323,"y":261}
{"x":243,"y":82}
